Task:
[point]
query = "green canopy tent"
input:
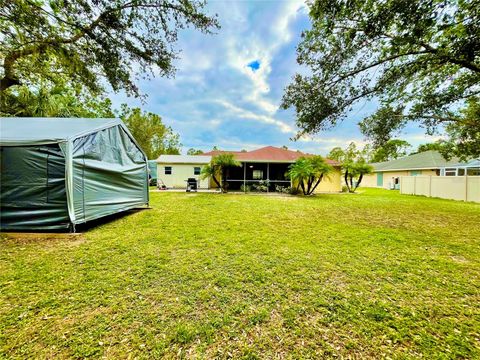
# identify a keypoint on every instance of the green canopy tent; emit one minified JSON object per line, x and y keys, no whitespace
{"x":60,"y":172}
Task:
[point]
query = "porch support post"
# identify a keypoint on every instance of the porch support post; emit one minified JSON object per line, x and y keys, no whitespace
{"x":244,"y":177}
{"x":268,"y":177}
{"x":291,"y":183}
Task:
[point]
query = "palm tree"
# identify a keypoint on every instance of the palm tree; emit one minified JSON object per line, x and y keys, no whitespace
{"x":217,"y":167}
{"x":354,"y":172}
{"x":299,"y":172}
{"x":320,"y":170}
{"x":308,"y":173}
{"x":209,"y":171}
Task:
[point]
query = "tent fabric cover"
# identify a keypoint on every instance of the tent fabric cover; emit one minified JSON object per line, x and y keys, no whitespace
{"x":59,"y":172}
{"x":152,"y":165}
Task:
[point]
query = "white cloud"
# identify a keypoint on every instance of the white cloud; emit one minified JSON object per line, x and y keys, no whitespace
{"x":198,"y":60}
{"x":423,"y":138}
{"x":262,"y":47}
{"x":246,"y":114}
{"x":333,"y":141}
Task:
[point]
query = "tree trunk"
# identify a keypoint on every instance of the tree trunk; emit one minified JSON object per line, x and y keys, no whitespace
{"x":297,"y":188}
{"x":309,"y":184}
{"x":316,"y":184}
{"x":346,"y":180}
{"x":351,"y":183}
{"x":358,"y":182}
{"x":7,"y":82}
{"x":302,"y":184}
{"x":216,"y":182}
{"x":223,"y":188}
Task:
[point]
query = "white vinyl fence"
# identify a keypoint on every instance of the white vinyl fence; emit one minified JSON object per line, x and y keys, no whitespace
{"x":466,"y":188}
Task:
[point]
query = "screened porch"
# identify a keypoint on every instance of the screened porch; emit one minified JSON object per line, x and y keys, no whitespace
{"x":251,"y":173}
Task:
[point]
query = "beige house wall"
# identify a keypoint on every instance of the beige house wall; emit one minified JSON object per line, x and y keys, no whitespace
{"x":466,"y":188}
{"x":331,"y":184}
{"x":388,"y":176}
{"x":180,"y":173}
{"x":369,"y":180}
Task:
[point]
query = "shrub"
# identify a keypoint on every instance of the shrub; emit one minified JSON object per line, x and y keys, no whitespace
{"x":262,"y":186}
{"x":284,"y":189}
{"x":245,"y":188}
{"x":294,"y":191}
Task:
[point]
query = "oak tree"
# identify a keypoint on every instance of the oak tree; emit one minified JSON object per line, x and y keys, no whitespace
{"x":419,"y":59}
{"x":93,"y":42}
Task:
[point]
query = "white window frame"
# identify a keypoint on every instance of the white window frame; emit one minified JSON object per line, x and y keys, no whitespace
{"x":451,"y":171}
{"x":257,"y":171}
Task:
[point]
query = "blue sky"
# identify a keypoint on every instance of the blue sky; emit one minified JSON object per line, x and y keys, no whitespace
{"x":228,"y":86}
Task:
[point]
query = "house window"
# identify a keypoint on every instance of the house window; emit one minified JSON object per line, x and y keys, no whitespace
{"x":168,"y":170}
{"x":257,"y":174}
{"x":196,"y":170}
{"x":451,"y":172}
{"x":461,"y":172}
{"x":473,"y":171}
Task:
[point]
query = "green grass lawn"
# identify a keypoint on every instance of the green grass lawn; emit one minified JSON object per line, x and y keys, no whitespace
{"x":217,"y":276}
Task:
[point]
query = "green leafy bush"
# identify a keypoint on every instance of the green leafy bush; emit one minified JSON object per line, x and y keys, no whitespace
{"x":284,"y":189}
{"x":261,"y":186}
{"x":245,"y":188}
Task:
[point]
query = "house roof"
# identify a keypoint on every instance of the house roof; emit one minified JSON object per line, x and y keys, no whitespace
{"x":219,"y":152}
{"x":267,"y":154}
{"x":25,"y":131}
{"x":426,"y":160}
{"x":469,"y":164}
{"x":183,"y":159}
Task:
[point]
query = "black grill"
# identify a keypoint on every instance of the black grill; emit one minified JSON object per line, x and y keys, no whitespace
{"x":192,"y":184}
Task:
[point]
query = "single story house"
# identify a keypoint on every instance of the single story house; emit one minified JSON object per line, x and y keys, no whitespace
{"x":267,"y":164}
{"x":174,"y":170}
{"x":387,"y":174}
{"x":60,"y":172}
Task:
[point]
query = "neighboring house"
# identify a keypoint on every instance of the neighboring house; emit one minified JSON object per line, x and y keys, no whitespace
{"x":60,"y":172}
{"x":174,"y":170}
{"x":267,"y":163}
{"x":387,"y":174}
{"x":469,"y":168}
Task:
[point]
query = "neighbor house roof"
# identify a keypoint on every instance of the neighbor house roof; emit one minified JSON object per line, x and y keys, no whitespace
{"x":426,"y":160}
{"x":25,"y":131}
{"x":219,"y":152}
{"x":183,"y":159}
{"x":267,"y":154}
{"x":469,"y":164}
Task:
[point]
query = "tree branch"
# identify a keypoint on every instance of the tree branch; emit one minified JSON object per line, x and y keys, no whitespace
{"x":463,"y":63}
{"x":374,"y":64}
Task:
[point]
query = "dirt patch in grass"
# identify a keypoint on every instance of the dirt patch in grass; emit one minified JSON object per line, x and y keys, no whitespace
{"x":25,"y":238}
